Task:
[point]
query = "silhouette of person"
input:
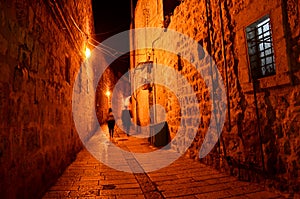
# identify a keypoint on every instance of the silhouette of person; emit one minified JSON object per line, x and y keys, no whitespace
{"x":126,"y":120}
{"x":111,"y":123}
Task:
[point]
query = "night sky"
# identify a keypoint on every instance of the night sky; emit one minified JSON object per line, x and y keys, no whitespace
{"x":111,"y":17}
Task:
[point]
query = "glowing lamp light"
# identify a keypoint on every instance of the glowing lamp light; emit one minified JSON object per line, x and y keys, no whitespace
{"x":87,"y":53}
{"x":107,"y":93}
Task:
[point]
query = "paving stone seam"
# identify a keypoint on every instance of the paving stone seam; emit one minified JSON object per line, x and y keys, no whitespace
{"x":133,"y":163}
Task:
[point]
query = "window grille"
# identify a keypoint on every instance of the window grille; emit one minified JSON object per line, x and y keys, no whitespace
{"x":260,"y":48}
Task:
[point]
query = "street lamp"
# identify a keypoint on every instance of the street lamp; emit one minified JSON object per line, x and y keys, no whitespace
{"x":87,"y":53}
{"x":108,"y":95}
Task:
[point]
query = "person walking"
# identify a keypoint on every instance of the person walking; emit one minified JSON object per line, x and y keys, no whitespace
{"x":111,"y":123}
{"x":126,"y":120}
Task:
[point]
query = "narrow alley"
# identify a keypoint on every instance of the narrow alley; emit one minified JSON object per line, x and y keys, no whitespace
{"x":208,"y":92}
{"x":86,"y":177}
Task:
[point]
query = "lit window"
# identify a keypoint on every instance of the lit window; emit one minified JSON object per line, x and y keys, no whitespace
{"x":260,"y":48}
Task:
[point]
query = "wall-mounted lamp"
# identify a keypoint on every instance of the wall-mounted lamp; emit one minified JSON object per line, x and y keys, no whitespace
{"x":108,"y":100}
{"x":87,"y":53}
{"x":107,"y":93}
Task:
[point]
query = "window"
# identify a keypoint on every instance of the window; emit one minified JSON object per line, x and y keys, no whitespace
{"x":260,"y":48}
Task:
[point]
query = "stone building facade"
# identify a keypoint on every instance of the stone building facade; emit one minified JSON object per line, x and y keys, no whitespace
{"x":255,"y":46}
{"x":42,"y":45}
{"x":112,"y":90}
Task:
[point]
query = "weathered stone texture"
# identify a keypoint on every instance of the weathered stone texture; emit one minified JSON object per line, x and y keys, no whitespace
{"x":103,"y":102}
{"x":115,"y":79}
{"x":239,"y":150}
{"x":40,"y":56}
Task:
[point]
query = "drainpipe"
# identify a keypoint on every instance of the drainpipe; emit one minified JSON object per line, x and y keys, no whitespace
{"x":255,"y":84}
{"x":225,"y":66}
{"x":132,"y":27}
{"x":208,"y":16}
{"x":226,"y":76}
{"x":132,"y":55}
{"x":154,"y":70}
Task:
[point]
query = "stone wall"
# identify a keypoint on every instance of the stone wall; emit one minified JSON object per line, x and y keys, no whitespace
{"x":115,"y":80}
{"x":41,"y":51}
{"x":259,"y":142}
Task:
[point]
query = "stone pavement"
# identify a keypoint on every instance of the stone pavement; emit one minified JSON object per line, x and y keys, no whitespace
{"x":184,"y":178}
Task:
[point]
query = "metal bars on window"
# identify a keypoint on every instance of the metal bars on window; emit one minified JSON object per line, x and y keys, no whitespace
{"x":260,"y":48}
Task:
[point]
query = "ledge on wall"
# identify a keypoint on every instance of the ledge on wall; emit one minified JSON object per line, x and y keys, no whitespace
{"x":268,"y":82}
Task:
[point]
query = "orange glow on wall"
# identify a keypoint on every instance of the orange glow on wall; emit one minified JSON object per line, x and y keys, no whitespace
{"x":87,"y":53}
